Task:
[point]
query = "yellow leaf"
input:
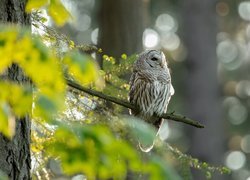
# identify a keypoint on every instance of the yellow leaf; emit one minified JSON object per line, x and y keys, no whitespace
{"x":124,"y":56}
{"x":58,"y":13}
{"x":35,"y":4}
{"x":21,"y":101}
{"x":82,"y":68}
{"x":22,"y":49}
{"x":7,"y":38}
{"x":7,"y":121}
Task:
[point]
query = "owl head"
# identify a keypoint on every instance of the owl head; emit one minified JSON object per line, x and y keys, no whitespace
{"x":152,"y":60}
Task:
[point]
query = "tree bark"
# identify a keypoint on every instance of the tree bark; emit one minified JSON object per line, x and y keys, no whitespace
{"x":203,"y":100}
{"x":15,"y":154}
{"x":121,"y":25}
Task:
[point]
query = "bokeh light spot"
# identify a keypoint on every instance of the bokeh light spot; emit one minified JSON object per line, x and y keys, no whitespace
{"x":237,"y":113}
{"x":150,"y":38}
{"x":170,"y":41}
{"x":245,"y":143}
{"x":222,"y":8}
{"x":227,"y":51}
{"x":243,"y":89}
{"x":85,"y":22}
{"x":244,"y":10}
{"x":235,"y":160}
{"x":94,"y":35}
{"x":165,"y":22}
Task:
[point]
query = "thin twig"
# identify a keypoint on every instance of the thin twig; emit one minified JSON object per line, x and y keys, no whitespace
{"x":169,"y":116}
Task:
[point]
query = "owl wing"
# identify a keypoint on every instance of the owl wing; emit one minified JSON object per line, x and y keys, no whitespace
{"x":132,"y":88}
{"x":132,"y":91}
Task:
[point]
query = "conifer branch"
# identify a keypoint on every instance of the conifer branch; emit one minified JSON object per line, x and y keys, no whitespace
{"x":169,"y":116}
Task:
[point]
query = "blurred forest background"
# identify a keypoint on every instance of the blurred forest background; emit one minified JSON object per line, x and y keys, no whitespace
{"x":207,"y":45}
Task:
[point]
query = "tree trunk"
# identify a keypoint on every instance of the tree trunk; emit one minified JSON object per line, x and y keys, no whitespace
{"x":121,"y":25}
{"x":203,"y":104}
{"x":15,"y":153}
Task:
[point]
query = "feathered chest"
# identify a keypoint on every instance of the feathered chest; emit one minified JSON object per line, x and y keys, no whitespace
{"x":150,"y":93}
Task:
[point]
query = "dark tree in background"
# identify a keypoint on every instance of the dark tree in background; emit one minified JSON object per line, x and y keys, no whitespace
{"x":121,"y":25}
{"x":15,"y":153}
{"x":202,"y":88}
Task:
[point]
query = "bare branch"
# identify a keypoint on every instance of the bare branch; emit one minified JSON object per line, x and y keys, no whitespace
{"x":169,"y":116}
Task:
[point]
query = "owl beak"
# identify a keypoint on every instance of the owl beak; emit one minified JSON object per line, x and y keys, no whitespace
{"x":163,"y":59}
{"x":162,"y":64}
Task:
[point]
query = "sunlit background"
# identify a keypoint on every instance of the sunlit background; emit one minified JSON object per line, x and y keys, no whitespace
{"x":163,"y":31}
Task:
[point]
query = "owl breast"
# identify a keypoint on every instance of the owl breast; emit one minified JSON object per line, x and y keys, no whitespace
{"x":150,"y":96}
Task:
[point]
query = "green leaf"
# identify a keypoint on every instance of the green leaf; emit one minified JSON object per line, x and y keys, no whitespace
{"x":208,"y":175}
{"x":3,"y":176}
{"x":81,"y":67}
{"x":45,"y":107}
{"x":15,"y":100}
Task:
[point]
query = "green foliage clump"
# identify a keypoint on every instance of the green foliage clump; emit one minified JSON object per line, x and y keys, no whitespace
{"x":43,"y":69}
{"x":116,"y":75}
{"x":94,"y":151}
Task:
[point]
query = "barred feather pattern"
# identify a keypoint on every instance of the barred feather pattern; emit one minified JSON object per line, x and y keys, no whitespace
{"x":150,"y":89}
{"x":150,"y":97}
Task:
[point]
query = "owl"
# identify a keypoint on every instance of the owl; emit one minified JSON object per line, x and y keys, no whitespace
{"x":150,"y":86}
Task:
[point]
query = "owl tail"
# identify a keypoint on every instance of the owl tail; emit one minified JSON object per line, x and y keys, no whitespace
{"x":148,"y":147}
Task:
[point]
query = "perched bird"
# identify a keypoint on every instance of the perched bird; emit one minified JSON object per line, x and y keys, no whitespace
{"x":150,"y":88}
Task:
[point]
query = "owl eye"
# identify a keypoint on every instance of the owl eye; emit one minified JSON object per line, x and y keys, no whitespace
{"x":154,"y":59}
